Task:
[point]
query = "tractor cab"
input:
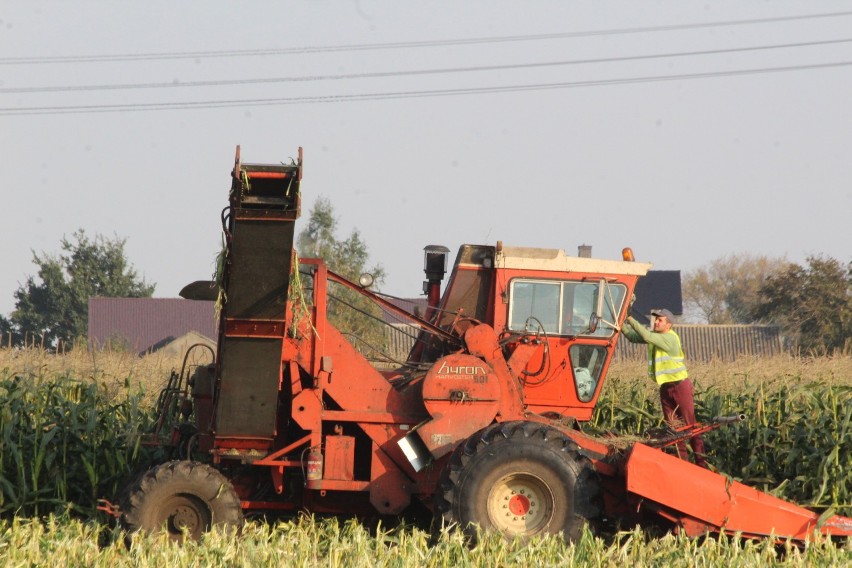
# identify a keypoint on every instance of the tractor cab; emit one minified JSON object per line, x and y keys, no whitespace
{"x":563,"y":311}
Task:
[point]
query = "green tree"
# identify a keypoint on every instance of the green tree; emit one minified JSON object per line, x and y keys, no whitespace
{"x":348,"y":257}
{"x":348,"y":311}
{"x":812,"y":303}
{"x":726,"y":290}
{"x":53,"y":307}
{"x":8,"y":335}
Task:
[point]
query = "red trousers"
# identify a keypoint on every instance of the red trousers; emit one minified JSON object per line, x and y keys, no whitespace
{"x":679,"y":410}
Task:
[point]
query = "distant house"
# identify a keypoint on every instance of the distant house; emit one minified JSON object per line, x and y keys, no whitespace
{"x":145,"y":325}
{"x":657,"y":289}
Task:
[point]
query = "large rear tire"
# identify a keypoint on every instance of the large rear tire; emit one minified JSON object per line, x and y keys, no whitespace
{"x":521,"y":479}
{"x":181,"y":498}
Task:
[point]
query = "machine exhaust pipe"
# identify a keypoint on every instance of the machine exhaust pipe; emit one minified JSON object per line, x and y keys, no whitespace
{"x":435,"y":266}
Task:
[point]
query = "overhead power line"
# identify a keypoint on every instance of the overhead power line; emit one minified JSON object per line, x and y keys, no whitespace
{"x":404,"y":73}
{"x":399,"y":45}
{"x":137,"y":107}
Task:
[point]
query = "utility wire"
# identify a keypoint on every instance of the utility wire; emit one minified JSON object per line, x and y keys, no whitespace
{"x":397,"y":45}
{"x":386,"y":74}
{"x":135,"y":107}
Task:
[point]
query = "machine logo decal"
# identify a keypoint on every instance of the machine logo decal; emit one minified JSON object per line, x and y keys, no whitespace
{"x":446,"y":371}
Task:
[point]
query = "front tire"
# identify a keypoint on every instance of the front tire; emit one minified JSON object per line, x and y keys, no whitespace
{"x":521,"y":479}
{"x":181,"y":498}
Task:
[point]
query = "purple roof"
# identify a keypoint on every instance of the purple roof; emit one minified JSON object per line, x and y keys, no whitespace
{"x":145,"y":322}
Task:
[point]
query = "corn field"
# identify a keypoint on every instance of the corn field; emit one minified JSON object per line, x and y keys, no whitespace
{"x":306,"y":542}
{"x":64,"y":444}
{"x":69,"y":430}
{"x":70,"y":427}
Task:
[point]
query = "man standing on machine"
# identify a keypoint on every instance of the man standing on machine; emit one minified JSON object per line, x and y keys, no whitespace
{"x":667,"y":366}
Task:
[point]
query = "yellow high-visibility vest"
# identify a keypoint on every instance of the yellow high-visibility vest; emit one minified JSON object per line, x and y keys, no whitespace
{"x":665,"y":368}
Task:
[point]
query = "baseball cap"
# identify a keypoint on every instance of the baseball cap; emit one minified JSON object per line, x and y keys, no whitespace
{"x":663,"y":312}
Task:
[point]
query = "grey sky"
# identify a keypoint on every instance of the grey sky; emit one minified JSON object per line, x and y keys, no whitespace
{"x":683,"y":170}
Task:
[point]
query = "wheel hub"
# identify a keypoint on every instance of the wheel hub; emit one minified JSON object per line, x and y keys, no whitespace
{"x":186,"y":514}
{"x":185,"y":518}
{"x":520,"y":504}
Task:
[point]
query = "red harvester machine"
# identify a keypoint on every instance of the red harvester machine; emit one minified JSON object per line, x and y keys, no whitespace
{"x":481,"y":425}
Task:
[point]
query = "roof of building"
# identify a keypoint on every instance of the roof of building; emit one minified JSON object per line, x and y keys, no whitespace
{"x":140,"y":324}
{"x":657,"y":289}
{"x":178,"y":346}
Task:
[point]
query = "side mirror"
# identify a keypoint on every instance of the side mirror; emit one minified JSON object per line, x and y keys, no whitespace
{"x":593,"y":322}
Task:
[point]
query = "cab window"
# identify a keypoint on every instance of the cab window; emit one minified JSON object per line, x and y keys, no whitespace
{"x":587,"y":362}
{"x":563,"y":307}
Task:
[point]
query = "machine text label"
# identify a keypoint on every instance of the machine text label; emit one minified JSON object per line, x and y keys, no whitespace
{"x":478,"y":370}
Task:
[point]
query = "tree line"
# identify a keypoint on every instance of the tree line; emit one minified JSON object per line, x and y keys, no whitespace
{"x":812,"y":302}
